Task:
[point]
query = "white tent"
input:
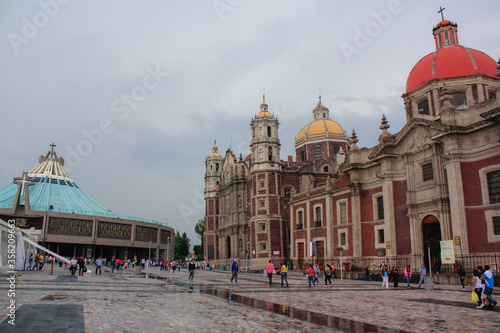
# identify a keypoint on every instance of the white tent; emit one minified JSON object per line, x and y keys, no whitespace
{"x":12,"y":238}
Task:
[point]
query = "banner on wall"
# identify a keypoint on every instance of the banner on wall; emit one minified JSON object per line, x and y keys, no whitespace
{"x":447,"y":252}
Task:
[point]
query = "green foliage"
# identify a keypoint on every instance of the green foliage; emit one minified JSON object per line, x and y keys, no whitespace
{"x":198,"y":249}
{"x":182,"y":244}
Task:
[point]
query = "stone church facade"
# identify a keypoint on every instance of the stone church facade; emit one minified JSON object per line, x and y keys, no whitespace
{"x":436,"y":179}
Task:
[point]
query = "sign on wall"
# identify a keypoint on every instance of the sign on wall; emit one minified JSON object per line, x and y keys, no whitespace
{"x":447,"y":252}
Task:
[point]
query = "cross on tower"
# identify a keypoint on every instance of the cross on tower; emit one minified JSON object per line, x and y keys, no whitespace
{"x":441,"y":12}
{"x":52,"y":150}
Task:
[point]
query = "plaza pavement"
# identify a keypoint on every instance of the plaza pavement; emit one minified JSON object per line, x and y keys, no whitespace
{"x":167,"y":302}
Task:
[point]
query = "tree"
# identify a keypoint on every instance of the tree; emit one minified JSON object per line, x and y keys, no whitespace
{"x":198,"y":251}
{"x":199,"y":228}
{"x":182,"y":244}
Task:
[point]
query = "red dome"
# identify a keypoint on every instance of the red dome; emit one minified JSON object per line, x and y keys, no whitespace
{"x":450,"y":61}
{"x":444,"y":22}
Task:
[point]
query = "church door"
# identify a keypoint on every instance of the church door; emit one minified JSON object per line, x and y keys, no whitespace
{"x":431,"y":232}
{"x":300,"y":253}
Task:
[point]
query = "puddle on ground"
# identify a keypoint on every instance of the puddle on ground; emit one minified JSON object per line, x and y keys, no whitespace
{"x":338,"y":323}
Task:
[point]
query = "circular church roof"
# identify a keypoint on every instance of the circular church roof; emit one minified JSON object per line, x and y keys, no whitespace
{"x":448,"y":61}
{"x":318,"y":129}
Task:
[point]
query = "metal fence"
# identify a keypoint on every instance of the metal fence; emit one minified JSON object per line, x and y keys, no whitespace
{"x":469,"y":262}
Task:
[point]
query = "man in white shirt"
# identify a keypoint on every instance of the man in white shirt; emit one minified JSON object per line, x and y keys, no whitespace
{"x":98,"y":263}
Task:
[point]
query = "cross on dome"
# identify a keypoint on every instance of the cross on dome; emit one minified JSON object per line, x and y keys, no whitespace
{"x":441,"y":12}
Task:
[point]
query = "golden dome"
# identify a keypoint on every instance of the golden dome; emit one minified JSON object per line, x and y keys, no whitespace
{"x":264,"y":114}
{"x":214,"y":152}
{"x":322,"y":128}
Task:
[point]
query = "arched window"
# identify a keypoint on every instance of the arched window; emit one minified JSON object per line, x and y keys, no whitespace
{"x":269,"y":131}
{"x":217,"y":167}
{"x":270,"y":154}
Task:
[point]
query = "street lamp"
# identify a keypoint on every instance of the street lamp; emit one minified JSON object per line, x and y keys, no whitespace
{"x":168,"y":248}
{"x":149,"y":253}
{"x":341,"y":266}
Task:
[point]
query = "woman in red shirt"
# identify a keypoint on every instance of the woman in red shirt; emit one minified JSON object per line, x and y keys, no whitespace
{"x":310,"y":275}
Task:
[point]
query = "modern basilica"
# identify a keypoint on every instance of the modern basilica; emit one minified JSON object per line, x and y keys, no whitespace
{"x":438,"y":178}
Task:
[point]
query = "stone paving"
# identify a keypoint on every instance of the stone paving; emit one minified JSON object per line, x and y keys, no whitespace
{"x":167,"y":302}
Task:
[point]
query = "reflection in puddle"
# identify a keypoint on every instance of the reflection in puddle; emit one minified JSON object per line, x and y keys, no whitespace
{"x":343,"y":324}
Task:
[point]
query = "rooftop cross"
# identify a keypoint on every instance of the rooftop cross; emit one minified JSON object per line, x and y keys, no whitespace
{"x":52,"y":150}
{"x":441,"y":12}
{"x":22,"y":181}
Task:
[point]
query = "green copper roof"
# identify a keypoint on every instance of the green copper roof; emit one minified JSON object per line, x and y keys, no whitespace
{"x":51,"y":189}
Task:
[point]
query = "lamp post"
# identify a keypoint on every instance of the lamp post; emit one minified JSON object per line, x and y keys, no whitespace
{"x":149,"y":253}
{"x":168,"y":248}
{"x":341,"y":266}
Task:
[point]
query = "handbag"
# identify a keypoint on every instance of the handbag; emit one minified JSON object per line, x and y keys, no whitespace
{"x":474,"y":297}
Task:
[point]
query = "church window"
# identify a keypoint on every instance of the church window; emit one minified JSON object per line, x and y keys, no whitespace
{"x":302,"y":156}
{"x":493,"y":179}
{"x":380,"y":208}
{"x":492,"y":95}
{"x":240,"y":202}
{"x":325,"y":168}
{"x":459,"y":98}
{"x":380,"y":236}
{"x":288,"y":193}
{"x":217,"y":167}
{"x":318,"y":153}
{"x":270,"y":154}
{"x":343,"y":239}
{"x":428,"y":172}
{"x":262,"y":184}
{"x":343,"y":212}
{"x":300,"y":220}
{"x":496,"y":225}
{"x":423,"y":107}
{"x":269,"y":131}
{"x":317,"y":221}
{"x":262,"y":246}
{"x":210,"y":252}
{"x":262,"y":203}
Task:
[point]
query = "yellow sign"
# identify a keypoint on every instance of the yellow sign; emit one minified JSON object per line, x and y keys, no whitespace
{"x":457,"y":240}
{"x":388,"y":244}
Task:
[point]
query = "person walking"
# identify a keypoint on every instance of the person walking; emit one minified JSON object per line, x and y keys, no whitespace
{"x":284,"y":273}
{"x":270,"y":270}
{"x":385,"y":277}
{"x":30,"y":261}
{"x":334,"y":270}
{"x":395,"y":276}
{"x":408,"y":273}
{"x":310,"y":275}
{"x":112,"y":263}
{"x":489,"y":284}
{"x":234,"y":271}
{"x":81,"y":266}
{"x":328,"y":275}
{"x":72,"y":267}
{"x":316,"y":272}
{"x":98,"y":266}
{"x":41,"y":261}
{"x":191,"y":268}
{"x":423,"y":272}
{"x":461,"y":274}
{"x":478,"y":287}
{"x":35,"y":260}
{"x":367,"y":274}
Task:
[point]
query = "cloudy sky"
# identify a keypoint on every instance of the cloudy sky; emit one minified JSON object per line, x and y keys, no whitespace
{"x":133,"y":93}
